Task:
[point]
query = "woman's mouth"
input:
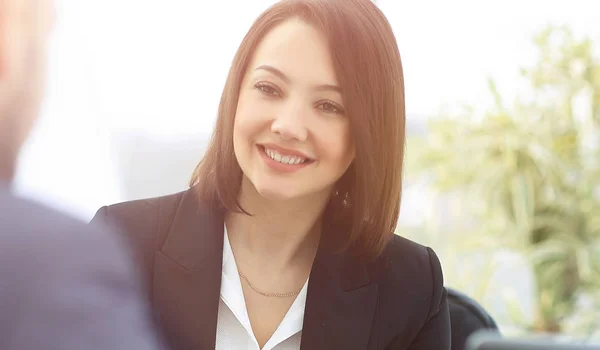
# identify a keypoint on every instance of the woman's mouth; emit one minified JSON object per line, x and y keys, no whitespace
{"x":282,"y":158}
{"x":280,"y":161}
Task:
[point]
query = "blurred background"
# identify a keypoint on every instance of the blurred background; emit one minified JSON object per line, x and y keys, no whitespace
{"x":503,"y":107}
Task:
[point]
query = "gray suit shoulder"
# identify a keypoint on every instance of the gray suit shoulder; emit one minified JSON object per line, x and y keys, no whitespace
{"x":38,"y":231}
{"x":66,"y":285}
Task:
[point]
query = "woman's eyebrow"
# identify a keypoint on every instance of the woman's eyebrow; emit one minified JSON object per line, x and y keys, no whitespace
{"x":286,"y":79}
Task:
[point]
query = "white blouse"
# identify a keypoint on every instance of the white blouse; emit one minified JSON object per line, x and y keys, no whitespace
{"x":234,"y":331}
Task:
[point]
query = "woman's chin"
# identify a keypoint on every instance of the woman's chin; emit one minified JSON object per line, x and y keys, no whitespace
{"x":278,"y":195}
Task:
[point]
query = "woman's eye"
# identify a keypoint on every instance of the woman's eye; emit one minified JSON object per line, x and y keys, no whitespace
{"x":266,"y":89}
{"x":330,"y":108}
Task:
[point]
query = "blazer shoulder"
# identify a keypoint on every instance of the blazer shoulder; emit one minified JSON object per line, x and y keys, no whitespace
{"x":404,"y":261}
{"x":411,"y":292}
{"x":411,"y":257}
{"x":142,"y":221}
{"x":137,"y":209}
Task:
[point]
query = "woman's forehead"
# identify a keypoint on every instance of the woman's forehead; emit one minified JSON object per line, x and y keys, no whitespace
{"x":298,"y":50}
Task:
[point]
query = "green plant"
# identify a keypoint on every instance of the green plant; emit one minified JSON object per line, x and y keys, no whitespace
{"x":529,"y":173}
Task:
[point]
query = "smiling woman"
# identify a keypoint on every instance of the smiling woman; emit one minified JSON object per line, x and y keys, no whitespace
{"x":284,"y":239}
{"x":292,"y":111}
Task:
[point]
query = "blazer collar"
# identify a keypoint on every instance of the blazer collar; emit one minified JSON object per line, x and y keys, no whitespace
{"x":187,"y":275}
{"x":340,"y":303}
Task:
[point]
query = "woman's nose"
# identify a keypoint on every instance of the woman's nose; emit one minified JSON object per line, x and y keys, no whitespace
{"x":290,"y":124}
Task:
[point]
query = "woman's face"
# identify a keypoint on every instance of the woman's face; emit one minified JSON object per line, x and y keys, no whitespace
{"x":291,"y":136}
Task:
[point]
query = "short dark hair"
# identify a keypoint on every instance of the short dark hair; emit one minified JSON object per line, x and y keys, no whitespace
{"x":367,"y":63}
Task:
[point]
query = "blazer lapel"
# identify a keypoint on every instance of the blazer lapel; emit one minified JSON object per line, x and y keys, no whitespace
{"x":341,"y":298}
{"x":340,"y":304}
{"x":187,"y":276}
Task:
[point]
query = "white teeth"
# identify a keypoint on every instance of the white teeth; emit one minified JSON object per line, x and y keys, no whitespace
{"x":284,"y":159}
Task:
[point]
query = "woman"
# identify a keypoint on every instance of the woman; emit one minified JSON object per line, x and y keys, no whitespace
{"x":285,"y":238}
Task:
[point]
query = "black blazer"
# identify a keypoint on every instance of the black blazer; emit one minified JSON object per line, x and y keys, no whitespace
{"x":396,"y":302}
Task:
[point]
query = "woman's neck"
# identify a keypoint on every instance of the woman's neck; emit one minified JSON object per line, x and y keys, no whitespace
{"x":278,"y":234}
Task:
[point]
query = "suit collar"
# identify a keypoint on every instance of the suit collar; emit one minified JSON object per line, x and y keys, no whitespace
{"x":187,"y":276}
{"x":196,"y":234}
{"x":340,"y":302}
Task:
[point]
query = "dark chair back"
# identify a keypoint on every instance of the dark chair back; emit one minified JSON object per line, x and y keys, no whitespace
{"x":467,"y":316}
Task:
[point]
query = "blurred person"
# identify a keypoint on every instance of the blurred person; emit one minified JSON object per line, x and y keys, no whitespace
{"x":285,"y":238}
{"x":63,"y":285}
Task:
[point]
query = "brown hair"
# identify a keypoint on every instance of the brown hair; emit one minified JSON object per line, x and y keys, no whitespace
{"x":367,"y":63}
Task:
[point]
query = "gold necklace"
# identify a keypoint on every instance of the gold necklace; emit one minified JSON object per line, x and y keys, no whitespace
{"x":270,"y":295}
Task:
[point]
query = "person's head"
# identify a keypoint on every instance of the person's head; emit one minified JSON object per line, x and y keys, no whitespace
{"x":24,"y":29}
{"x":317,"y":83}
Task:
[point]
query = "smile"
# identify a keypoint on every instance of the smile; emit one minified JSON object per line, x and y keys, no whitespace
{"x":281,"y":160}
{"x":284,"y":159}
